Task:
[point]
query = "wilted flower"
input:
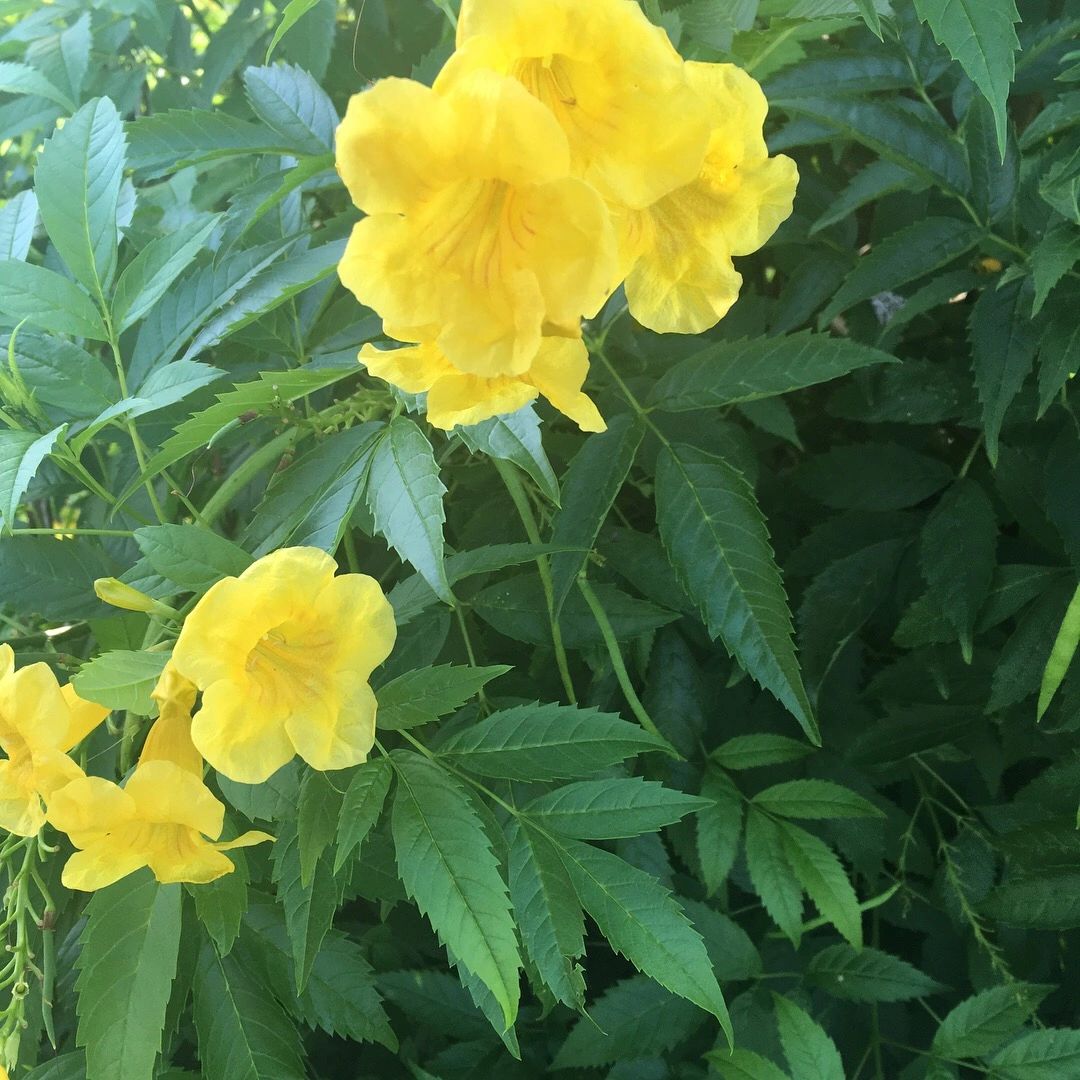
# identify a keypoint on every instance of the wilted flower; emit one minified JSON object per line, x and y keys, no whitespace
{"x":39,"y":722}
{"x":161,"y":818}
{"x":282,"y":655}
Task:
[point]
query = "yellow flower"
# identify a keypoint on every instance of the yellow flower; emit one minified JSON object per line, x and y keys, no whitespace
{"x":455,"y":397}
{"x":282,"y":655}
{"x":610,"y":78}
{"x":39,"y":722}
{"x":159,"y":819}
{"x":678,"y":251}
{"x":169,"y":737}
{"x":477,"y":234}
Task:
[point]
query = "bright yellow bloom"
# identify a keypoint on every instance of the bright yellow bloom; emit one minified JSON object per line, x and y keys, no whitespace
{"x":282,"y":655}
{"x":678,"y":251}
{"x":478,"y":234}
{"x":455,"y":397}
{"x":610,"y":78}
{"x":169,"y":737}
{"x":159,"y":819}
{"x":39,"y":722}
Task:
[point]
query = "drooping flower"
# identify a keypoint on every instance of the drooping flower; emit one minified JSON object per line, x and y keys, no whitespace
{"x":611,"y":79}
{"x":282,"y":655}
{"x":456,"y":397}
{"x":477,"y":234}
{"x":169,"y":737}
{"x":677,"y":252}
{"x":161,"y":818}
{"x":39,"y":722}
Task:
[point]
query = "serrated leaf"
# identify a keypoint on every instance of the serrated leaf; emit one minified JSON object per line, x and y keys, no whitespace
{"x":191,"y":556}
{"x":289,"y":100}
{"x":1003,"y":346}
{"x":447,"y":866}
{"x":134,"y":927}
{"x":868,"y":975}
{"x":21,"y":455}
{"x":718,"y":543}
{"x":294,"y":11}
{"x":361,"y":807}
{"x":18,"y":78}
{"x":742,"y":1064}
{"x":546,"y":742}
{"x":418,"y":697}
{"x":52,"y":579}
{"x":1038,"y":901}
{"x":589,"y":487}
{"x":980,"y":1024}
{"x":893,"y":476}
{"x":755,"y":751}
{"x":874,"y":182}
{"x":179,"y":138}
{"x":405,"y":496}
{"x":719,"y":827}
{"x":822,"y":875}
{"x":316,"y":820}
{"x":641,"y":921}
{"x":243,"y":1032}
{"x":607,"y":809}
{"x":514,"y":438}
{"x":17,"y":219}
{"x":547,"y":912}
{"x":980,"y":35}
{"x":810,"y":1053}
{"x":814,"y":799}
{"x":772,"y":876}
{"x":220,"y":904}
{"x":48,"y":300}
{"x":1039,"y":1055}
{"x":77,"y":181}
{"x":1051,"y":258}
{"x":740,"y":371}
{"x":121,"y":679}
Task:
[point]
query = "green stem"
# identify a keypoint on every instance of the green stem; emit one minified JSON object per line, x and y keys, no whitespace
{"x":521,"y":502}
{"x":238,"y":479}
{"x":73,"y":531}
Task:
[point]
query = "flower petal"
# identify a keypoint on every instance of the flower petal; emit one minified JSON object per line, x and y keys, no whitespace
{"x":469,"y":399}
{"x":89,"y":808}
{"x":169,"y":737}
{"x":99,"y":866}
{"x":336,"y":734}
{"x":179,"y":854}
{"x":84,"y":717}
{"x":413,"y":369}
{"x":558,"y":372}
{"x":21,"y":812}
{"x":166,"y":794}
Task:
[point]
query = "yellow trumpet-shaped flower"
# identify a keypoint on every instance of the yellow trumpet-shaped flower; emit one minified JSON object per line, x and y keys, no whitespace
{"x":678,"y":251}
{"x":477,"y":233}
{"x":282,"y":655}
{"x":610,"y":78}
{"x":39,"y":722}
{"x":455,"y":397}
{"x":169,"y":737}
{"x":161,"y":819}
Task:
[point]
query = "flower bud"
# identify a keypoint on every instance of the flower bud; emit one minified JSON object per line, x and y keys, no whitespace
{"x":116,"y":593}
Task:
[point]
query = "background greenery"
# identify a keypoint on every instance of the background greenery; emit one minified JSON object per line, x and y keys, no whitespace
{"x":891,"y":395}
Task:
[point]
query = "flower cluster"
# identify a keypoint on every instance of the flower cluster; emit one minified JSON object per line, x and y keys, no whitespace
{"x":281,"y":656}
{"x":564,"y":148}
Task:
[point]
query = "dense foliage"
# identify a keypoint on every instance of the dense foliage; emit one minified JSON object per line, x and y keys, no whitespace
{"x":798,"y":626}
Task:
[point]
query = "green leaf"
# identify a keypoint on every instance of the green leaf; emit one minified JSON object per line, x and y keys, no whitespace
{"x":316,"y":820}
{"x":48,"y":300}
{"x":814,"y":799}
{"x":21,"y":455}
{"x":290,"y":101}
{"x":868,"y":975}
{"x":589,"y":488}
{"x":1042,"y":901}
{"x":894,"y":477}
{"x":131,"y":927}
{"x":65,"y":1067}
{"x":514,"y":438}
{"x":872,"y":19}
{"x":1058,"y":343}
{"x":980,"y":1024}
{"x":607,"y":809}
{"x":17,"y":220}
{"x":405,"y":496}
{"x":718,"y":543}
{"x":180,"y":138}
{"x":16,"y":78}
{"x":755,"y":751}
{"x":361,"y":807}
{"x":957,"y":554}
{"x":221,"y":904}
{"x":810,"y":1053}
{"x":1061,"y":655}
{"x":633,"y":1019}
{"x":1051,"y":259}
{"x":294,"y":11}
{"x":191,"y":556}
{"x":50,"y":578}
{"x":719,"y":827}
{"x":418,"y":697}
{"x":738,"y":371}
{"x":77,"y":181}
{"x":545,"y":742}
{"x":1039,"y":1055}
{"x":243,"y":1032}
{"x":995,"y":170}
{"x":145,"y":279}
{"x":822,"y":875}
{"x":547,"y":912}
{"x":771,"y":874}
{"x":981,"y":37}
{"x":874,"y":182}
{"x":744,"y":1065}
{"x":121,"y":680}
{"x":641,"y":921}
{"x":309,"y":909}
{"x":1003,"y":345}
{"x":447,"y":866}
